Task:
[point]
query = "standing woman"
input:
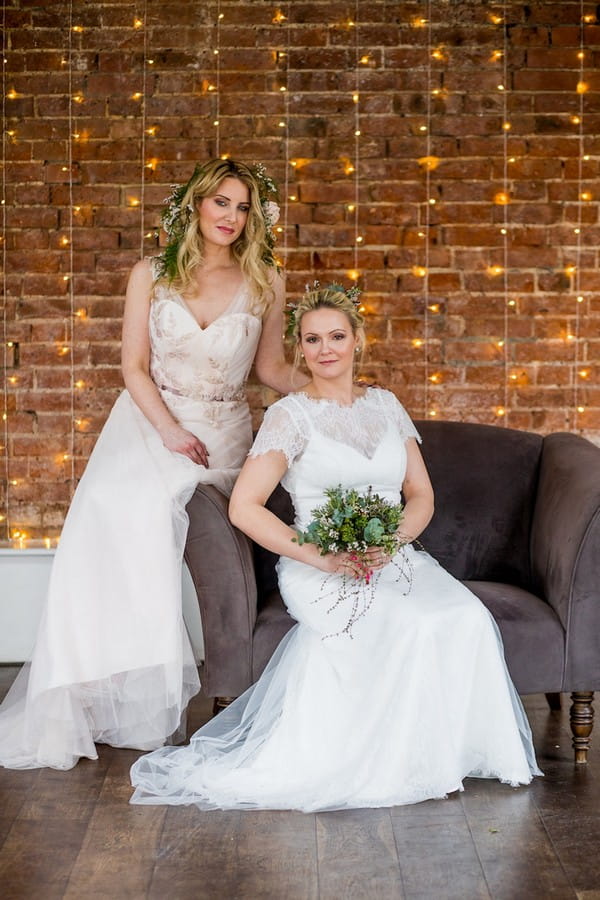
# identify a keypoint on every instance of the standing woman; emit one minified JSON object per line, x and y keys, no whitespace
{"x":112,"y":662}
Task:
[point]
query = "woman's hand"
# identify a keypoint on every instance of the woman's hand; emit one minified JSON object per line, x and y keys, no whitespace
{"x":179,"y":440}
{"x":355,"y":565}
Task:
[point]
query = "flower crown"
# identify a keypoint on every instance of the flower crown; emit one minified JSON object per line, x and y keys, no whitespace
{"x":353,"y":294}
{"x":175,"y":218}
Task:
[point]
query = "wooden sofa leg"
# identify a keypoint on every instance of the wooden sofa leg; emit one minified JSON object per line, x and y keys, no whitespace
{"x":582,"y":722}
{"x":553,"y":701}
{"x":221,"y":703}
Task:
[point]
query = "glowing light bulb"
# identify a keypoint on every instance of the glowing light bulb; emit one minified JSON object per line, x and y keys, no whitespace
{"x":429,"y":163}
{"x":501,"y":198}
{"x":417,"y":342}
{"x":495,"y":270}
{"x":582,"y":87}
{"x":500,"y":411}
{"x":419,"y":271}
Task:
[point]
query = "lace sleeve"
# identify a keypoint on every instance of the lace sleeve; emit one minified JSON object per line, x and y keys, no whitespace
{"x":279,"y":431}
{"x":396,"y":412}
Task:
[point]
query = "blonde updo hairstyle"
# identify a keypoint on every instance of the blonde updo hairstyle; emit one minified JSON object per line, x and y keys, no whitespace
{"x":248,"y":249}
{"x":327,"y":298}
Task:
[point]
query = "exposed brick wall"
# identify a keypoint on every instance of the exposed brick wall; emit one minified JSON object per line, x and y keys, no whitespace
{"x":139,"y":106}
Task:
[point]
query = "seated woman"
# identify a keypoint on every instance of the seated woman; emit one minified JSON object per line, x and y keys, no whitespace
{"x":392,"y":687}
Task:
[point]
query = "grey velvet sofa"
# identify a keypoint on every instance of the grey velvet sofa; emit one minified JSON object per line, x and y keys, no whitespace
{"x":517,"y":519}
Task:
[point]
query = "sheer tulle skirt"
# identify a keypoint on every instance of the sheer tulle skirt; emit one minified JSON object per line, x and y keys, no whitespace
{"x":112,"y":661}
{"x":402,"y":710}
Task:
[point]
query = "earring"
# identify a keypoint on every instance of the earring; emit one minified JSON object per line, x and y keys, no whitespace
{"x":357,"y":349}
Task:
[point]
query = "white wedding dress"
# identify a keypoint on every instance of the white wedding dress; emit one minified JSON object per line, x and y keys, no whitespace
{"x":393,"y":701}
{"x":113,"y":662}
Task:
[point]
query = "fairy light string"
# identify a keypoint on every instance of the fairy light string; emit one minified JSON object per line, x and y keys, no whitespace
{"x":358,"y":238}
{"x":503,"y":412}
{"x":217,"y":91}
{"x":427,"y":216}
{"x":70,"y":327}
{"x":5,"y":515}
{"x":283,"y":229}
{"x":144,"y":165}
{"x":582,"y":198}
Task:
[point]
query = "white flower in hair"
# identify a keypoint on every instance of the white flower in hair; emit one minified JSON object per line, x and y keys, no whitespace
{"x":271,"y":212}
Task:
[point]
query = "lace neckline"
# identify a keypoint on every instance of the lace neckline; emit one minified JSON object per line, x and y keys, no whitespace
{"x":322,"y":401}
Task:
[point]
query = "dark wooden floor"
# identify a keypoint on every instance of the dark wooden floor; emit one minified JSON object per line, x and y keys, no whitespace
{"x":73,"y":835}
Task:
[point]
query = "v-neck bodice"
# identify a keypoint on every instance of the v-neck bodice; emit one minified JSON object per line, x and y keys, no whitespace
{"x":195,"y":363}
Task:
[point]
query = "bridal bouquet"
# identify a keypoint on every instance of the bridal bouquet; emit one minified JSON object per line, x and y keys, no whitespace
{"x":352,"y":522}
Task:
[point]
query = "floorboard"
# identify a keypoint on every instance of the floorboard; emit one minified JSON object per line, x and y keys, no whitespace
{"x":74,"y":835}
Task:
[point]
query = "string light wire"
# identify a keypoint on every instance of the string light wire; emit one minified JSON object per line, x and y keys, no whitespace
{"x":505,"y":190}
{"x":5,"y":340}
{"x":286,"y":108}
{"x":578,"y":230}
{"x":427,"y":216}
{"x":357,"y":135}
{"x":143,"y":118}
{"x":217,"y":55}
{"x":70,"y":326}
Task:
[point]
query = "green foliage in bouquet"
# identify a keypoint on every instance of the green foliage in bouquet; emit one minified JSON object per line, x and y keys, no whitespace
{"x":353,"y":522}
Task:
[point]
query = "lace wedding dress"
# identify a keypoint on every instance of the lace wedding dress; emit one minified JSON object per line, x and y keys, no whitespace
{"x":112,"y":661}
{"x":391,"y":702}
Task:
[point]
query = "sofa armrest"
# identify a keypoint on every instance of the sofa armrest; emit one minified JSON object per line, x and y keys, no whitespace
{"x":220,"y":561}
{"x":565,"y":550}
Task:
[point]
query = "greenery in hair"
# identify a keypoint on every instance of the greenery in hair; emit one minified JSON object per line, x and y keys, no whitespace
{"x":175,"y":219}
{"x":353,"y":294}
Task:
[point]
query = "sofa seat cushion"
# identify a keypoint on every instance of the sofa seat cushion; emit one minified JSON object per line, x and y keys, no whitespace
{"x":533,"y":636}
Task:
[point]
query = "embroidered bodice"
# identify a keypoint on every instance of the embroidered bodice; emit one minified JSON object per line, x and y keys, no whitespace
{"x":195,"y":363}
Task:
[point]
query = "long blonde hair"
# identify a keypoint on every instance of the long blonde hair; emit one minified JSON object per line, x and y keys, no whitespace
{"x":327,"y":298}
{"x":250,"y":249}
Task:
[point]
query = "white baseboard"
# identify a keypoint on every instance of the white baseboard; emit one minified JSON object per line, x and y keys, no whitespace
{"x":24,"y":576}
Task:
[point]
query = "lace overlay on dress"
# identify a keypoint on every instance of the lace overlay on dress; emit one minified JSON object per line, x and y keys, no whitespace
{"x":360,"y":426}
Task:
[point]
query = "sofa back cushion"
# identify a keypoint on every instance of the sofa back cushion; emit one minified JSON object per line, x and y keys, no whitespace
{"x":485,"y":481}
